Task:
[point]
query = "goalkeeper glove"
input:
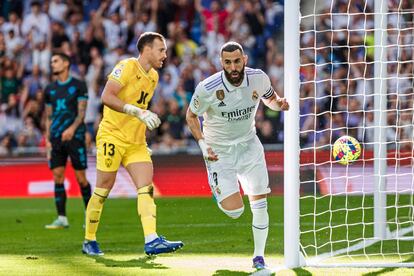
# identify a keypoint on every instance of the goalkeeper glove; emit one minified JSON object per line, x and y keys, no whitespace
{"x":149,"y":118}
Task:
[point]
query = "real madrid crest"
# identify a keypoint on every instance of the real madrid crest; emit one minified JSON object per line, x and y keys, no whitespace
{"x":196,"y":103}
{"x":220,"y":94}
{"x":220,"y":97}
{"x":255,"y":96}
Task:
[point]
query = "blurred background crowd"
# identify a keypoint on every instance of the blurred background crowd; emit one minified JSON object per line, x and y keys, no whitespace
{"x":337,"y":73}
{"x":337,"y":70}
{"x":97,"y":34}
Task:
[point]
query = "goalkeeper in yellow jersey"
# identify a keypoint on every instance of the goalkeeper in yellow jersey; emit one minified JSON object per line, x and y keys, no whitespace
{"x":121,"y":140}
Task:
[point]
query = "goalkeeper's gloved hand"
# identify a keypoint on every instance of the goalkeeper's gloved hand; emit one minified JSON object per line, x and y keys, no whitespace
{"x":149,"y":118}
{"x":207,"y":151}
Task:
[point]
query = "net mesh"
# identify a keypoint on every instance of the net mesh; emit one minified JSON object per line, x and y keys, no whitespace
{"x":337,"y":46}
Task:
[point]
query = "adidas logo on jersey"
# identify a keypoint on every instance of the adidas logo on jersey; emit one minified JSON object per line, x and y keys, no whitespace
{"x":221,"y":104}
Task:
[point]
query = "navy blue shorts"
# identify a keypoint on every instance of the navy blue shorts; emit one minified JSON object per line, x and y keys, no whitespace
{"x":75,"y":149}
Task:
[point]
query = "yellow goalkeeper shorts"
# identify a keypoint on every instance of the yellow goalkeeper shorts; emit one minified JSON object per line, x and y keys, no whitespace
{"x":112,"y":151}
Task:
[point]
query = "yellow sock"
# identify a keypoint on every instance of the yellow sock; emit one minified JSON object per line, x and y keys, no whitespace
{"x":93,"y":212}
{"x":147,"y":209}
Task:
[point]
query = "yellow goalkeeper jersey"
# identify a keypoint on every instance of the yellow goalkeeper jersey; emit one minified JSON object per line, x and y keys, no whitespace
{"x":137,"y":89}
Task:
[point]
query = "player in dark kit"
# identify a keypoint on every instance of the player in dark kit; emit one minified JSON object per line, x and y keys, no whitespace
{"x":66,"y":100}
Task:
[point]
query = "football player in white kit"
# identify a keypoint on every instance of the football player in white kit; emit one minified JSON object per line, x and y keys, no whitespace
{"x":228,"y":101}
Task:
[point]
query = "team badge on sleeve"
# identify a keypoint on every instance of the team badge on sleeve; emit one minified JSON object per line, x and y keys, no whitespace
{"x":116,"y":73}
{"x":196,"y":103}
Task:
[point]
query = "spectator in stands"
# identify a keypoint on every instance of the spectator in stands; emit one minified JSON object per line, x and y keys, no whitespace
{"x":32,"y":84}
{"x":215,"y":19}
{"x":10,"y":84}
{"x":59,"y":35}
{"x":185,"y":48}
{"x":41,"y":57}
{"x":266,"y":133}
{"x":30,"y":135}
{"x":14,"y":45}
{"x":75,"y":24}
{"x":182,"y":96}
{"x":168,"y":83}
{"x":255,"y":19}
{"x":14,"y":23}
{"x":57,"y":10}
{"x":111,"y":25}
{"x":7,"y":143}
{"x":174,"y":122}
{"x":36,"y":22}
{"x":2,"y":48}
{"x":196,"y":27}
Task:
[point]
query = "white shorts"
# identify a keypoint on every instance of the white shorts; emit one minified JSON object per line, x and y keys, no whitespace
{"x":244,"y":162}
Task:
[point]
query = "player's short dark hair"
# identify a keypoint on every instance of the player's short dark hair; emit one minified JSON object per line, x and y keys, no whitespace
{"x":63,"y":56}
{"x":231,"y":46}
{"x":148,"y":38}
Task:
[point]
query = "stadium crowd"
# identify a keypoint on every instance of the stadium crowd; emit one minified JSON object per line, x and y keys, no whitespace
{"x":337,"y":74}
{"x":337,"y":69}
{"x":97,"y":34}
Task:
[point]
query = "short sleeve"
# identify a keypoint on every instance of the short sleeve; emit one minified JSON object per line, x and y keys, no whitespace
{"x":199,"y":102}
{"x":267,"y":87}
{"x":83,"y":91}
{"x":121,"y":72}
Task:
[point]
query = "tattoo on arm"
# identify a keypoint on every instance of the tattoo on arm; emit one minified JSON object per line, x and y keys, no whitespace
{"x":81,"y":110}
{"x":49,"y":112}
{"x":81,"y":113}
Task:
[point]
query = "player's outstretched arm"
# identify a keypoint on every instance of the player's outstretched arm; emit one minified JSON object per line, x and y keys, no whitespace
{"x":195,"y":128}
{"x":276,"y":103}
{"x":110,"y":99}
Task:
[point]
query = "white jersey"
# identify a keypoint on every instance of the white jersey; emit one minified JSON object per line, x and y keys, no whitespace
{"x":229,"y":112}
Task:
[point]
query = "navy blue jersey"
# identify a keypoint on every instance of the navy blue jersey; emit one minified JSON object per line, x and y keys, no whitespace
{"x":64,"y":98}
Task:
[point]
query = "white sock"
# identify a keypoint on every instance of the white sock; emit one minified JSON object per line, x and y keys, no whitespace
{"x":150,"y":237}
{"x":260,"y":225}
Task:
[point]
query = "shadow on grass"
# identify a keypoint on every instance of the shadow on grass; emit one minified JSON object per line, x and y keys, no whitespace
{"x":302,"y":272}
{"x":387,"y":269}
{"x":143,"y":262}
{"x":226,"y":272}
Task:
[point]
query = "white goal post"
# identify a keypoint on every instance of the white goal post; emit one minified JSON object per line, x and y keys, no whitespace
{"x":349,"y":71}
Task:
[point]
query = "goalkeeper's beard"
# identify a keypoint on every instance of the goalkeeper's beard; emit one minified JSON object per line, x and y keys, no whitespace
{"x":235,"y":81}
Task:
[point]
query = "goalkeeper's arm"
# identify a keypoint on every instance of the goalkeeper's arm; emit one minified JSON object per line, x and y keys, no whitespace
{"x":111,"y":100}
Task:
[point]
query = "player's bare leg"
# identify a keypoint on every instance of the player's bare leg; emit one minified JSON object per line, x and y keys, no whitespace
{"x":142,"y":174}
{"x":232,"y":205}
{"x":60,"y":200}
{"x":104,"y":183}
{"x":232,"y":202}
{"x":260,"y":228}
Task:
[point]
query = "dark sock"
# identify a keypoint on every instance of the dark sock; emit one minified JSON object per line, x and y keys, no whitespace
{"x":86,"y":194}
{"x":60,"y":199}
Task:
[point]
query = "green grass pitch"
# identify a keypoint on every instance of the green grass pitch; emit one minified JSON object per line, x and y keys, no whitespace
{"x":214,"y":244}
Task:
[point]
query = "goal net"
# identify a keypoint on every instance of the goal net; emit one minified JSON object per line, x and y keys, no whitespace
{"x":356,"y":78}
